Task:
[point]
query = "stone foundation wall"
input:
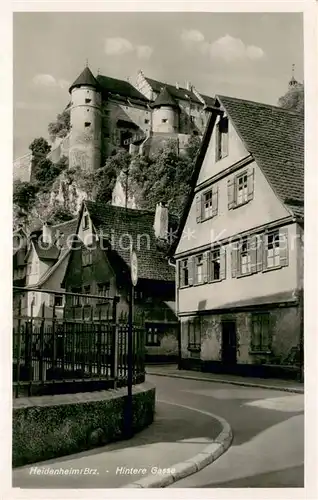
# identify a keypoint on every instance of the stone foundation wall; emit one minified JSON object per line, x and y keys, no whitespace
{"x":52,"y":426}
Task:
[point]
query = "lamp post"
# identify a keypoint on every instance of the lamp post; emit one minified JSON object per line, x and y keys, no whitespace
{"x":133,"y":283}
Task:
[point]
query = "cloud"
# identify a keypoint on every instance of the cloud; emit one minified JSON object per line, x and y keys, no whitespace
{"x":192,"y":36}
{"x":33,"y":106}
{"x":118,"y":46}
{"x":232,"y":49}
{"x":226,"y":48}
{"x":46,"y":80}
{"x":144,"y":51}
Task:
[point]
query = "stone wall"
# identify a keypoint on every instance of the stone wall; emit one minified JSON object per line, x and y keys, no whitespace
{"x":22,"y":168}
{"x":52,"y":426}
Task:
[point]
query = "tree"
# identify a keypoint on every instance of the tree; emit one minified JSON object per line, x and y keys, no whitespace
{"x":60,"y":214}
{"x":24,"y":195}
{"x":165,"y":177}
{"x":293,"y":99}
{"x":61,"y":126}
{"x":47,"y":171}
{"x":105,"y":177}
{"x":40,"y":147}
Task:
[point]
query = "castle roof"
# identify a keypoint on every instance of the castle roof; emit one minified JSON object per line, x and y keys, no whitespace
{"x":176,"y":92}
{"x":120,"y":89}
{"x":85,"y":78}
{"x":165,"y":99}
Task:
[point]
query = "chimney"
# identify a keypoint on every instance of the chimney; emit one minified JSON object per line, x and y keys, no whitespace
{"x":47,"y":233}
{"x":188,"y":86}
{"x":161,"y":221}
{"x":177,"y":85}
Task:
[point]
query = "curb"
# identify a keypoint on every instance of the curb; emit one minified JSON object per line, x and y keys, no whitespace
{"x":232,"y":382}
{"x":183,"y":469}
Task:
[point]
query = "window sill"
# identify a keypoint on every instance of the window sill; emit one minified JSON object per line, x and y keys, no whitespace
{"x":204,"y":219}
{"x":194,"y":349}
{"x":222,"y":158}
{"x":274,"y":268}
{"x":240,"y":204}
{"x":259,"y":351}
{"x":184,"y":286}
{"x":214,"y":281}
{"x":244,"y":275}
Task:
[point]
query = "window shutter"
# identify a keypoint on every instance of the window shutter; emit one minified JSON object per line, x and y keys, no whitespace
{"x":283,"y":246}
{"x":205,"y":266}
{"x":215,"y":199}
{"x":51,"y":300}
{"x":198,"y":200}
{"x":231,"y":193}
{"x":223,"y":263}
{"x":178,"y":274}
{"x":253,"y":253}
{"x":250,"y":184}
{"x":217,"y":142}
{"x":234,"y":258}
{"x":191,"y":270}
{"x":259,"y":253}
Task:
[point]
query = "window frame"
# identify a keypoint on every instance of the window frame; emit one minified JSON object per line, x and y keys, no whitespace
{"x":196,"y":266}
{"x":182,"y":268}
{"x":261,"y":347}
{"x":87,"y":257}
{"x":105,"y":284}
{"x":196,"y":324}
{"x":211,"y":267}
{"x":245,"y":189}
{"x":246,"y":240}
{"x":153,"y":330}
{"x":85,"y":223}
{"x":266,"y":250}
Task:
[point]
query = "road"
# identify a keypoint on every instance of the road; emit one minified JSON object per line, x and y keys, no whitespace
{"x":268,"y":426}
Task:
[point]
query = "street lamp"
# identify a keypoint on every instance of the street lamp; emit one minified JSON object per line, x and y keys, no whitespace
{"x":133,"y":283}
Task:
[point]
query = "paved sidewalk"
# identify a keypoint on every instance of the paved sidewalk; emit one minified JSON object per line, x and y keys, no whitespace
{"x":172,"y":371}
{"x":177,"y":435}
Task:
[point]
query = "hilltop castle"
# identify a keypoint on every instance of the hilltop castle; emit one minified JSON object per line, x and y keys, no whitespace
{"x":107,"y":113}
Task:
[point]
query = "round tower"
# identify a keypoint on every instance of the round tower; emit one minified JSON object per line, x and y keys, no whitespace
{"x":85,"y":136}
{"x":165,"y":113}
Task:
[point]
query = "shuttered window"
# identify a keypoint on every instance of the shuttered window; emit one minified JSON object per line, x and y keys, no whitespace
{"x":261,"y":332}
{"x":240,"y":188}
{"x":86,"y":257}
{"x":199,"y":270}
{"x":209,"y":203}
{"x":276,"y":249}
{"x":184,"y":272}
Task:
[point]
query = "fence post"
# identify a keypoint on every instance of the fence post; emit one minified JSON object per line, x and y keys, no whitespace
{"x":41,"y":360}
{"x":18,"y":345}
{"x":54,"y":337}
{"x":99,"y":342}
{"x":114,"y":346}
{"x":28,"y":348}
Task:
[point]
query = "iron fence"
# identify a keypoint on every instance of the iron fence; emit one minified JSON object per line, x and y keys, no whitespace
{"x":80,"y":345}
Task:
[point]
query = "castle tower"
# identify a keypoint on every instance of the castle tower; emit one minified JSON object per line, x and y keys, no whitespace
{"x":85,"y":136}
{"x":165,"y":113}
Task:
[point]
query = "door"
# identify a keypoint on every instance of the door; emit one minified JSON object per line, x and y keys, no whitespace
{"x":229,"y":342}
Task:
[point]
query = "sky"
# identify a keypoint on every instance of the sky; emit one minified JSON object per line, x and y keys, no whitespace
{"x":247,"y":55}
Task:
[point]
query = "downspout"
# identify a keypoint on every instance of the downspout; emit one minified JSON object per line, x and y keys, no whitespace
{"x":174,"y":265}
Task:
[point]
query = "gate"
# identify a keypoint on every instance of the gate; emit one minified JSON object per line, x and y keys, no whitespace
{"x":72,"y":342}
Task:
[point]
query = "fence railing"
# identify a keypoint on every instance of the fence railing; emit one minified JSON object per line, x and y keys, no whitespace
{"x":84,"y":348}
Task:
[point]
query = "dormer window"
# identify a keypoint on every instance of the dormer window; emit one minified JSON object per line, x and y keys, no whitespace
{"x":222,"y":139}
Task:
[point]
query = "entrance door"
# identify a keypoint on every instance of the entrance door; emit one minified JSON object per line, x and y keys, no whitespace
{"x":229,"y":342}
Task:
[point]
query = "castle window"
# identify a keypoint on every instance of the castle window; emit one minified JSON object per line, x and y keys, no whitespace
{"x":87,"y":101}
{"x":164,"y":120}
{"x":87,"y":124}
{"x":146,"y":120}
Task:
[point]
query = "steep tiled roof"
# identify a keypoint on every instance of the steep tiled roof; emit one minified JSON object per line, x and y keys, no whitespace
{"x":165,"y":99}
{"x":116,"y":222}
{"x":209,"y":101}
{"x":275,"y":138}
{"x":63,"y":232}
{"x":119,"y":88}
{"x":178,"y":93}
{"x":85,"y":78}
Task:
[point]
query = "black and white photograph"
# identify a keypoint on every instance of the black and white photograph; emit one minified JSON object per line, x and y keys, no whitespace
{"x":158,"y":248}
